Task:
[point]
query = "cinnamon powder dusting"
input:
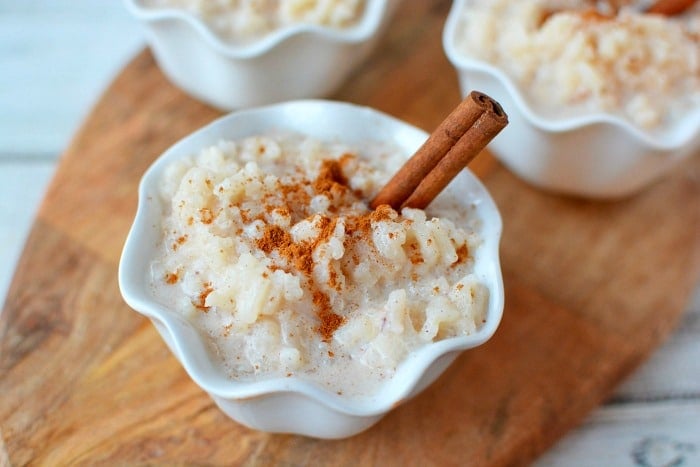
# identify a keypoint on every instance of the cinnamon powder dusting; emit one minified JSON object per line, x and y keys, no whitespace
{"x":329,"y":321}
{"x":300,"y":255}
{"x":414,"y":254}
{"x":206,"y":216}
{"x":594,"y":15}
{"x":333,"y":279}
{"x":362,"y":224}
{"x":462,"y":254}
{"x":171,"y":278}
{"x":200,"y":304}
{"x":274,"y":238}
{"x":331,"y":180}
{"x":179,"y":241}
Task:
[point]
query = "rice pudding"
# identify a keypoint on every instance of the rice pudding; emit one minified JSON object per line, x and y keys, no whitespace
{"x":242,"y":21}
{"x":569,"y":58}
{"x":270,"y":250}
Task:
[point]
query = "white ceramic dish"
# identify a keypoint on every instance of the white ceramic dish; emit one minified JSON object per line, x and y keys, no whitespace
{"x":302,"y":61}
{"x":598,"y":155}
{"x":292,"y":405}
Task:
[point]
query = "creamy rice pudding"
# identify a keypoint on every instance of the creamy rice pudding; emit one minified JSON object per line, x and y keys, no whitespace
{"x":244,"y":20}
{"x":269,"y":248}
{"x":572,"y":57}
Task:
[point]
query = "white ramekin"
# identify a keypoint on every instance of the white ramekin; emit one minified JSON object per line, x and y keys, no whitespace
{"x":293,"y":405}
{"x":597,"y":156}
{"x":301,"y":61}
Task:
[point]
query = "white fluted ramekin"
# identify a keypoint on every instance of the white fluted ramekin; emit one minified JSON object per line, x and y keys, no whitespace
{"x":294,"y":62}
{"x":292,"y":404}
{"x":597,"y":156}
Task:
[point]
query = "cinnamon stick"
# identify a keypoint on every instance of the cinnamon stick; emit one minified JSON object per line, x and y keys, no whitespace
{"x":670,"y":7}
{"x":456,"y":141}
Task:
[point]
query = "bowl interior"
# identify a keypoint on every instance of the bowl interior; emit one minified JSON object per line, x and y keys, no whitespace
{"x":323,"y":120}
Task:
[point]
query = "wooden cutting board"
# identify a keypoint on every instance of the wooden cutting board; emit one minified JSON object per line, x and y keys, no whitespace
{"x":591,"y":289}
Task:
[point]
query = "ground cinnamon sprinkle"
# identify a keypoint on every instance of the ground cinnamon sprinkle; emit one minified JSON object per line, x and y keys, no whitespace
{"x":206,"y":216}
{"x":179,"y":241}
{"x":330,"y":180}
{"x":414,"y":254}
{"x":333,"y":279}
{"x":293,"y":199}
{"x":462,"y":254}
{"x":295,"y":192}
{"x":296,"y":198}
{"x":346,"y":159}
{"x":202,"y":299}
{"x":171,"y":278}
{"x":297,"y":254}
{"x":594,"y":15}
{"x":300,"y":256}
{"x":362,"y":224}
{"x":329,"y":321}
{"x":274,"y":237}
{"x":245,"y":217}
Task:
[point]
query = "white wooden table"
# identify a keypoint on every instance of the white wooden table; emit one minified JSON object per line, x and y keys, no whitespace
{"x":56,"y":56}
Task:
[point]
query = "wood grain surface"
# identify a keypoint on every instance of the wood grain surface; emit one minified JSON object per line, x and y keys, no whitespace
{"x":591,"y":289}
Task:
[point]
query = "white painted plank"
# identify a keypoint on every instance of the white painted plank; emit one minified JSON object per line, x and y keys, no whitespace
{"x":22,"y":186}
{"x":673,"y":370}
{"x":648,"y":435}
{"x":56,"y":56}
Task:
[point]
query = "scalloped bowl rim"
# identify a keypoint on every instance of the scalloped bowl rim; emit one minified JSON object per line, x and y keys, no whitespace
{"x":664,"y":140}
{"x":407,"y":375}
{"x":362,"y":31}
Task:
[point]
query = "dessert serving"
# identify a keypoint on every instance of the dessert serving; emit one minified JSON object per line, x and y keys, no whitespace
{"x":234,"y":54}
{"x":270,"y":248}
{"x":603,"y":96}
{"x":577,"y":57}
{"x":241,"y":21}
{"x":261,"y":259}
